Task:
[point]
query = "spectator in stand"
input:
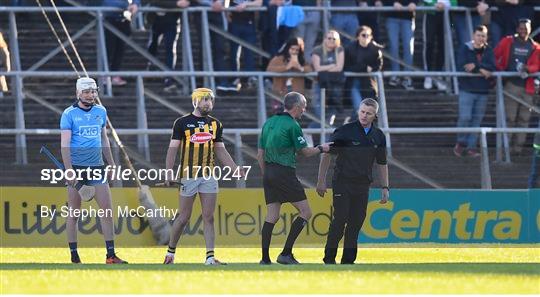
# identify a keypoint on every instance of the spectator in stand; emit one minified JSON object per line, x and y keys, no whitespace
{"x":344,"y":22}
{"x":280,"y":21}
{"x":400,"y":25}
{"x":459,"y":18}
{"x":309,"y":29}
{"x":289,"y":59}
{"x":363,"y":56}
{"x":218,"y":18}
{"x":166,"y":28}
{"x":121,"y":20}
{"x":505,"y":20}
{"x":5,"y":63}
{"x":434,"y":49}
{"x":518,"y":53}
{"x":370,"y":18}
{"x":271,"y":34}
{"x":328,"y":60}
{"x":242,"y":25}
{"x":289,"y":16}
{"x":475,"y":56}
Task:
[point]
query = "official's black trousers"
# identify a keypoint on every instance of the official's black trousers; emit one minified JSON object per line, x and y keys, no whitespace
{"x":350,"y":200}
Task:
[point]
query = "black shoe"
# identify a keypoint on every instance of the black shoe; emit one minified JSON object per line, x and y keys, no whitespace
{"x":347,"y":262}
{"x":75,"y":259}
{"x":329,"y":262}
{"x":264,"y":262}
{"x":287,"y":260}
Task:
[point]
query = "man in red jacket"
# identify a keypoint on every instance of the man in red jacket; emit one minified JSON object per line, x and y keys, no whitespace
{"x":518,"y":53}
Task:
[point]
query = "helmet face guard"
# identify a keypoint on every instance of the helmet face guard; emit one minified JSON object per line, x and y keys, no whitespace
{"x":201,"y":94}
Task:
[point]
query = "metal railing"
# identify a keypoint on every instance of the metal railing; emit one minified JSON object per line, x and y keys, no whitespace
{"x":100,"y":24}
{"x":326,"y":10}
{"x":485,"y":171}
{"x":502,"y":138}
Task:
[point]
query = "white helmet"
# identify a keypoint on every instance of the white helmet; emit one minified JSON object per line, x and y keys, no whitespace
{"x":85,"y":83}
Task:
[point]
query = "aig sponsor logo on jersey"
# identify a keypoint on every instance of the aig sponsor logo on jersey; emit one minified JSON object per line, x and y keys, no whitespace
{"x":201,"y":137}
{"x":89,"y":131}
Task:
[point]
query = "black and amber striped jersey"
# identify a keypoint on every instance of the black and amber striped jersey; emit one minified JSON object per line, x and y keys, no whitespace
{"x":197,"y":136}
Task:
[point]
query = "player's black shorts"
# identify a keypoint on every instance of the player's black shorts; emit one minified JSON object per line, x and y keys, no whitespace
{"x":96,"y":176}
{"x":281,"y":184}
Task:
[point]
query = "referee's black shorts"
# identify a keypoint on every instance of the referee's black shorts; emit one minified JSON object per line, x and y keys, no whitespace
{"x":281,"y":184}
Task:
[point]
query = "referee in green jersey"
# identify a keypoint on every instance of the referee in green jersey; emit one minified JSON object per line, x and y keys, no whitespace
{"x":281,"y":138}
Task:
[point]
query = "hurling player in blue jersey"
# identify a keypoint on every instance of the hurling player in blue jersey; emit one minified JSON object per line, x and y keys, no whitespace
{"x":84,"y":140}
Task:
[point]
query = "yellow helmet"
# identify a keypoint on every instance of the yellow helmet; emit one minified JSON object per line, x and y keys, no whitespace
{"x":201,"y":93}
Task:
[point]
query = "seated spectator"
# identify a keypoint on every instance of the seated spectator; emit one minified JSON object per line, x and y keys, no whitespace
{"x":363,"y":56}
{"x":328,"y":60}
{"x":122,"y":21}
{"x":400,"y":26}
{"x":5,"y":63}
{"x":475,"y":56}
{"x":166,"y":28}
{"x":289,"y":59}
{"x":518,"y":53}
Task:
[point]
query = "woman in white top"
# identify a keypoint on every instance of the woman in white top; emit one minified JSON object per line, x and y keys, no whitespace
{"x":328,"y":60}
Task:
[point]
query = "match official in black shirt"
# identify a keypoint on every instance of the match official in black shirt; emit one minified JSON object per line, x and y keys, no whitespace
{"x":357,"y":146}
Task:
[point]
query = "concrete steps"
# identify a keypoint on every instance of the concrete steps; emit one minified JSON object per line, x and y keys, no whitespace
{"x":429,"y":154}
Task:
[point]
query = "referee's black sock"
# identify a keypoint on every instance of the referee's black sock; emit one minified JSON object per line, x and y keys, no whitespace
{"x":109,"y":244}
{"x":73,"y":249}
{"x":296,"y":228}
{"x":266,"y":238}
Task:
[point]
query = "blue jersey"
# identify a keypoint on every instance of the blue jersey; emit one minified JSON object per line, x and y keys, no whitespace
{"x":85,"y":126}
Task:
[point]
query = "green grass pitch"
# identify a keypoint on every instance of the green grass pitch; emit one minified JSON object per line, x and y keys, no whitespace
{"x":380,"y":269}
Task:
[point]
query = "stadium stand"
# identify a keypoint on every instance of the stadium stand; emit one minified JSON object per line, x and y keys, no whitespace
{"x":427,"y":155}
